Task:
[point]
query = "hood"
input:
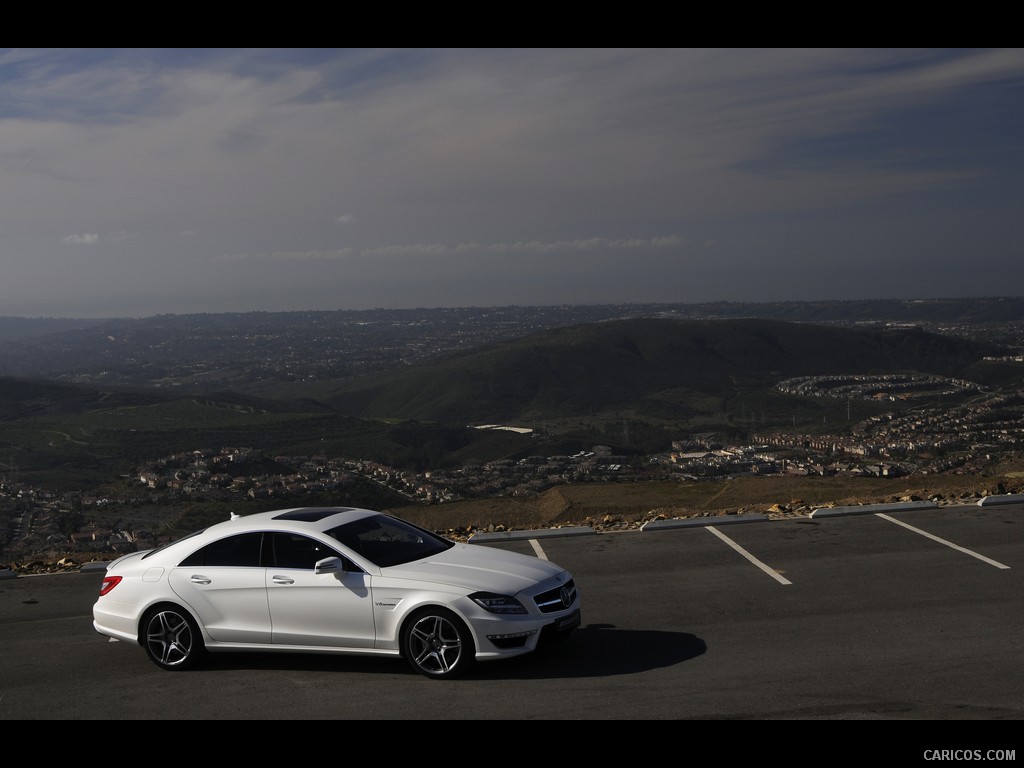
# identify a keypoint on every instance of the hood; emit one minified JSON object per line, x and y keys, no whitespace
{"x":475,"y":567}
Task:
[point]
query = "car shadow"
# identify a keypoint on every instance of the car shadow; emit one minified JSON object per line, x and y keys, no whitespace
{"x":594,"y":650}
{"x":599,"y":650}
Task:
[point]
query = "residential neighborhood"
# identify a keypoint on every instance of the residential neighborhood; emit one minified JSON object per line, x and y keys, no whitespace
{"x":961,"y":440}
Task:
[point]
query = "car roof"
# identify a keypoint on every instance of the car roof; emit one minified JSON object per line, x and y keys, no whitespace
{"x":295,"y":519}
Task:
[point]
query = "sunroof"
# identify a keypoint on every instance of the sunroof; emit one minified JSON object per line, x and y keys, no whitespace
{"x":310,"y":514}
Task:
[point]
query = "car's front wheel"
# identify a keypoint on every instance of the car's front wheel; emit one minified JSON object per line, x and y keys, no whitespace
{"x":171,"y":638}
{"x":438,"y":644}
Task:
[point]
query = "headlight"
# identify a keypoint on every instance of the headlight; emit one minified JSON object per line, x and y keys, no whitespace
{"x":497,"y":603}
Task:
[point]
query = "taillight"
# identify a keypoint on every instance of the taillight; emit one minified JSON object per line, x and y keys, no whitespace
{"x":109,"y":582}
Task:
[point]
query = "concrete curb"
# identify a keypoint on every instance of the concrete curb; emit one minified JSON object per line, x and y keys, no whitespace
{"x":1010,"y":498}
{"x":692,"y":522}
{"x":703,"y":522}
{"x":870,"y":509}
{"x":545,"y":533}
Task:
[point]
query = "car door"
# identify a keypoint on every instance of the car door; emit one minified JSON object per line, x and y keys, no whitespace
{"x":311,"y":609}
{"x":224,"y":583}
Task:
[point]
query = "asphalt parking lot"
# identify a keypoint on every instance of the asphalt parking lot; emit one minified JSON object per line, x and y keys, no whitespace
{"x":910,"y":614}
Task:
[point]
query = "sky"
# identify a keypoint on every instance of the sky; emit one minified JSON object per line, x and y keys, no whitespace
{"x":140,"y":182}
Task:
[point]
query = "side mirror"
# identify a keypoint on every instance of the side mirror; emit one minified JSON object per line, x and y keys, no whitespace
{"x":331,"y":565}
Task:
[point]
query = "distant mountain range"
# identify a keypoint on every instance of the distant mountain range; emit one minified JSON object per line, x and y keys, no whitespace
{"x":266,"y":353}
{"x":973,"y":310}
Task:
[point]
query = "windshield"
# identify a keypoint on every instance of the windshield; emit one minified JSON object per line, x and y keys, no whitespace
{"x":385,"y":540}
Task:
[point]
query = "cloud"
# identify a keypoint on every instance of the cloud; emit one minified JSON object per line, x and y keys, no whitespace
{"x":335,"y":255}
{"x":580,"y":245}
{"x":526,"y":164}
{"x":84,"y":239}
{"x":436,"y":249}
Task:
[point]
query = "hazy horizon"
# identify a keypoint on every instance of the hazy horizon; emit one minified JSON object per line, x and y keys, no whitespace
{"x":140,"y":182}
{"x":531,"y":307}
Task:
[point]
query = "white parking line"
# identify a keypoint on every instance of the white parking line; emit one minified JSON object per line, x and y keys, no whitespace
{"x":538,"y":549}
{"x":943,"y":541}
{"x":770,"y":571}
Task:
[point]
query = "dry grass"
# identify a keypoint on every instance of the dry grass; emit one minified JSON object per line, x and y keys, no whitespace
{"x":605,"y":503}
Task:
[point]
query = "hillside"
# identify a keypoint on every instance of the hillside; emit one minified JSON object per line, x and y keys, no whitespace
{"x":67,"y":436}
{"x":681,"y":367}
{"x":577,"y":386}
{"x":632,"y":387}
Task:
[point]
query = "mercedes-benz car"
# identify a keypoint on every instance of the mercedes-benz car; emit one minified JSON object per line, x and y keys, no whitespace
{"x":335,"y":580}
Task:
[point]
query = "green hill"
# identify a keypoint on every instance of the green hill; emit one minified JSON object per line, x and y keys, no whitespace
{"x":632,"y":384}
{"x":68,"y":436}
{"x":686,"y":366}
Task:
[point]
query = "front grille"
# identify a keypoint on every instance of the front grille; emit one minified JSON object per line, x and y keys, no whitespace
{"x":557,"y":599}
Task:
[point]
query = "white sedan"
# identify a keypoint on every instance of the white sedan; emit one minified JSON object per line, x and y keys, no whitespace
{"x":335,"y":580}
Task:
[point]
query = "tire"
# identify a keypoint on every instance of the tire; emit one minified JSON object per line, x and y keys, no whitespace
{"x":438,"y":644}
{"x":171,"y":638}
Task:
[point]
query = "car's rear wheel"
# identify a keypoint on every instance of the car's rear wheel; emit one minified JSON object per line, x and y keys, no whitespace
{"x":171,"y":638}
{"x":438,"y":644}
